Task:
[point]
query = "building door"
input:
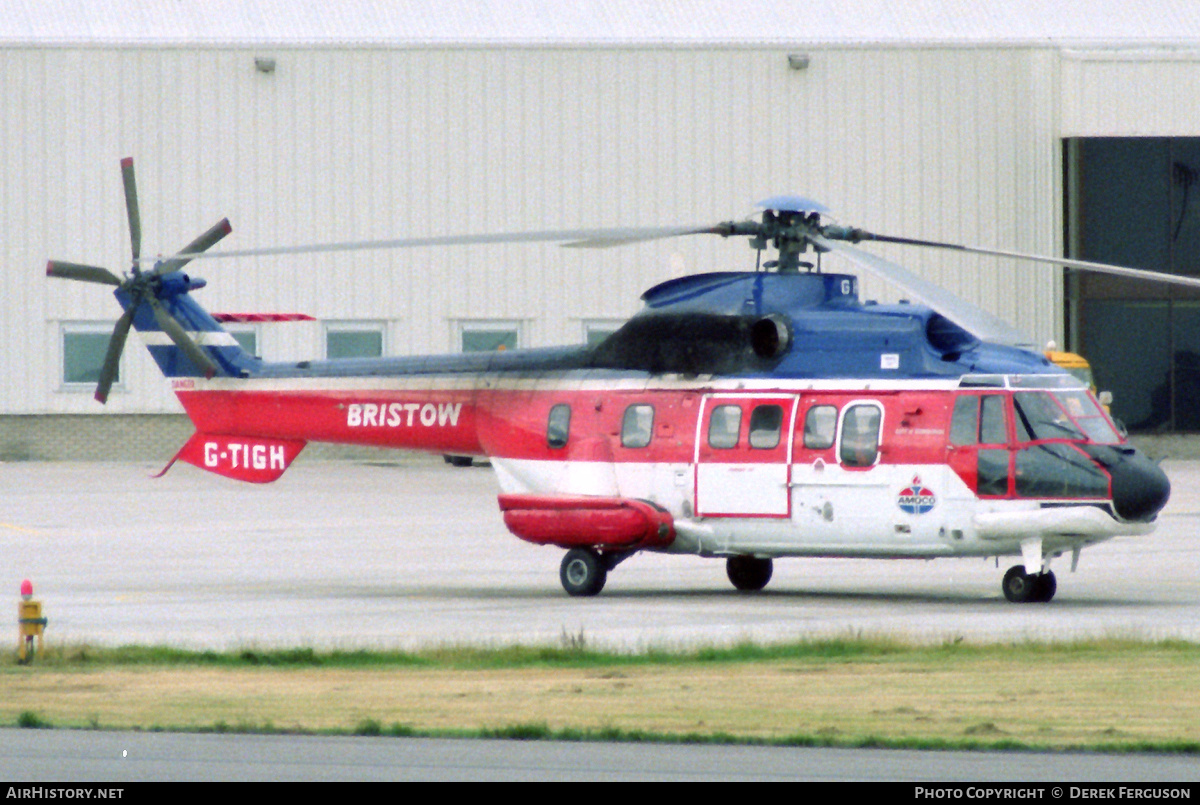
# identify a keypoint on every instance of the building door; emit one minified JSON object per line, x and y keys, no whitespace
{"x":1135,"y":201}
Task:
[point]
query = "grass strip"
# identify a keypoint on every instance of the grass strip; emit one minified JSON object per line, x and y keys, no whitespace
{"x":1106,"y":694}
{"x":575,"y":654}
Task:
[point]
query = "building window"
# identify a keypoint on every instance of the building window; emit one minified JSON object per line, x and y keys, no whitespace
{"x":637,"y":426}
{"x":246,"y":336}
{"x":83,"y":349}
{"x":596,"y":331}
{"x":488,"y":336}
{"x":353,"y":340}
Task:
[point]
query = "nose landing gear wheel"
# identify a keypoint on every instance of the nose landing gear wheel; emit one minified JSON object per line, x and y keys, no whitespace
{"x":582,"y":572}
{"x":749,"y":573}
{"x":1021,"y":588}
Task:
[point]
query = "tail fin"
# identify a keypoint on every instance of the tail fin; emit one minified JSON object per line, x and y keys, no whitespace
{"x":213,"y":340}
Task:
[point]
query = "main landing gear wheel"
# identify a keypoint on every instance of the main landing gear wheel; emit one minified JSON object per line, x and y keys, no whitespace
{"x":748,"y":573}
{"x":1022,"y":588}
{"x":583,"y":572}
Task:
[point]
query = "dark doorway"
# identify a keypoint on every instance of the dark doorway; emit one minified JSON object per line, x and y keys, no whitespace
{"x":1135,"y":201}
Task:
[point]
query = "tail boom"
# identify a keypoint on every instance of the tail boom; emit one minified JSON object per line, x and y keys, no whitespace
{"x":254,"y":435}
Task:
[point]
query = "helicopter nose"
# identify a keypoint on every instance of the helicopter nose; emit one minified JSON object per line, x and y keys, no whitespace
{"x":1139,"y":487}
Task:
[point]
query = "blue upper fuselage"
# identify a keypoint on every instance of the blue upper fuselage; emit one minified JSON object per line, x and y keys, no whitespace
{"x":693,"y":325}
{"x":832,"y":334}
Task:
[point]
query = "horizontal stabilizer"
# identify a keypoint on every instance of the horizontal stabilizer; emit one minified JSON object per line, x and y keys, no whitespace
{"x":239,"y":318}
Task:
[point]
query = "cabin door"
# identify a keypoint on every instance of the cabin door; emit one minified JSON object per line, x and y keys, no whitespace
{"x":744,"y":455}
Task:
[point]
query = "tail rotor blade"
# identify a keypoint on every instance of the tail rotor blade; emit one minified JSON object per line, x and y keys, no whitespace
{"x":182,"y":340}
{"x":196,"y":247}
{"x":131,"y":207}
{"x":112,"y":358}
{"x":83,"y":273}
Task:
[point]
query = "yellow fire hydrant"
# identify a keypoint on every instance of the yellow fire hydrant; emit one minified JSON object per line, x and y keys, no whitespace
{"x":30,"y":622}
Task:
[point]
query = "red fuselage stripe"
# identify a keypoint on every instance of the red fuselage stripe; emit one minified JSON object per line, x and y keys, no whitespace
{"x":513,"y":423}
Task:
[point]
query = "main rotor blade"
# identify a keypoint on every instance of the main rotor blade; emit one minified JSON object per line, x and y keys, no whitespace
{"x":568,"y":237}
{"x":75,"y":271}
{"x":196,"y":247}
{"x":131,"y":207}
{"x":624,"y":237}
{"x":970,"y":317}
{"x":177,"y":334}
{"x":1083,"y":265}
{"x":112,"y":358}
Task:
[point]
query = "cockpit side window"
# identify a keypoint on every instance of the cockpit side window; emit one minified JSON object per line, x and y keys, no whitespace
{"x":980,"y":425}
{"x":964,"y":424}
{"x":992,"y":427}
{"x":978,"y":419}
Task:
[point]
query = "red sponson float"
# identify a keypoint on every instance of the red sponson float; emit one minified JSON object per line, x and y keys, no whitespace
{"x":579,"y":521}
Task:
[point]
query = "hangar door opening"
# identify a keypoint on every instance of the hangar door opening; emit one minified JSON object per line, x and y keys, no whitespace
{"x":1135,"y":201}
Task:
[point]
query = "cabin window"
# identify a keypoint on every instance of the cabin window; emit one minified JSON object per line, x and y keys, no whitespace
{"x":83,"y":349}
{"x":723,"y":426}
{"x":637,"y":426}
{"x":558,"y":426}
{"x":820,"y":427}
{"x":766,"y":422}
{"x":860,"y":436}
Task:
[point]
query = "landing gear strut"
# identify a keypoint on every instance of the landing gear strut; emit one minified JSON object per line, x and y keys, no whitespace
{"x":1022,"y":588}
{"x":748,"y":573}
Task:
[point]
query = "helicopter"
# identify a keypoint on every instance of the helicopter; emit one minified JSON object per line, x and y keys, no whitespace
{"x":739,"y":415}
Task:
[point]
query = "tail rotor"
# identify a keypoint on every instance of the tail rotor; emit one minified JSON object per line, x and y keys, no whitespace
{"x":142,"y":286}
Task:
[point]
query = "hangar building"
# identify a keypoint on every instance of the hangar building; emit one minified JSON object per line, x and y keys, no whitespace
{"x":1051,"y":126}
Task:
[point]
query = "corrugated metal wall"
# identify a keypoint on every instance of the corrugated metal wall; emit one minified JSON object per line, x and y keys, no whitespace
{"x":354,"y":143}
{"x":1131,"y":92}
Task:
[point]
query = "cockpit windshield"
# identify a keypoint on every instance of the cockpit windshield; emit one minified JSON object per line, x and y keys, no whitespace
{"x":1061,"y":415}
